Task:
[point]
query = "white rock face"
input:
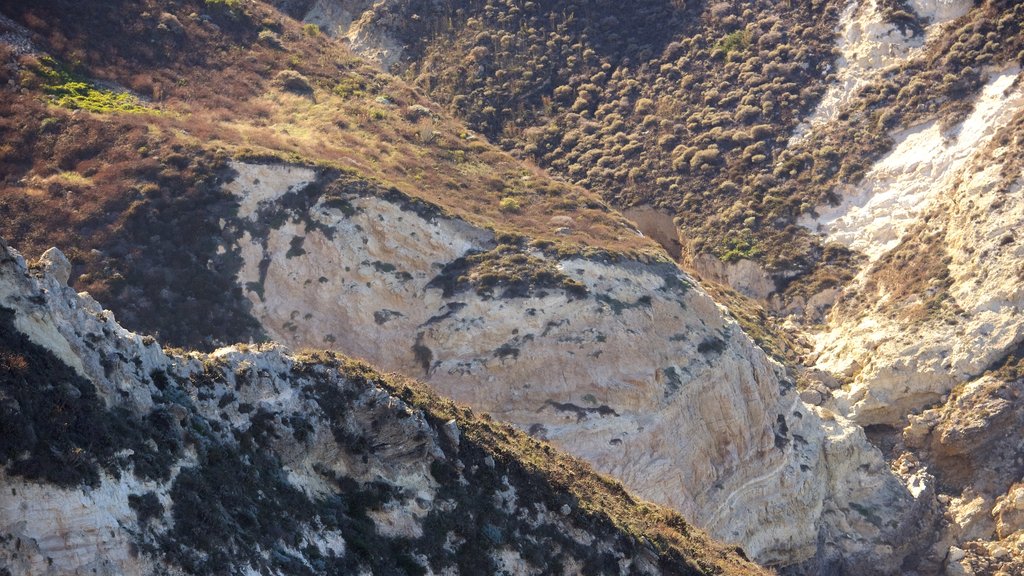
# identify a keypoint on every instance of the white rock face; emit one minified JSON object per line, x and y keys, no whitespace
{"x":354,"y":20}
{"x":868,"y":44}
{"x":266,"y":183}
{"x":745,"y":276}
{"x":66,"y":531}
{"x":923,"y":165}
{"x":644,"y":376}
{"x":334,"y":16}
{"x":938,"y":11}
{"x":307,"y":421}
{"x":899,"y":365}
{"x":57,"y":264}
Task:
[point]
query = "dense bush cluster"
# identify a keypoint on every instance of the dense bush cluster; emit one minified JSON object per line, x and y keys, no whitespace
{"x":672,"y":103}
{"x":688,"y":105}
{"x":642,"y":101}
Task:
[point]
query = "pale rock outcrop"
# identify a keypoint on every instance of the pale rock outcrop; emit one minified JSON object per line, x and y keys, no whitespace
{"x":1009,"y":512}
{"x":367,"y":24}
{"x":643,"y":375}
{"x":956,"y":191}
{"x":969,"y":443}
{"x":334,"y":16}
{"x":746,"y":276}
{"x":867,"y":45}
{"x":924,"y":164}
{"x":938,"y":11}
{"x":271,"y":464}
{"x":49,"y":530}
{"x":56,"y":263}
{"x":659,"y":225}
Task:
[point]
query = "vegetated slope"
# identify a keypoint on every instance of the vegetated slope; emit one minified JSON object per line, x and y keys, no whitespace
{"x":118,"y":152}
{"x":792,"y":484}
{"x":692,"y":106}
{"x":685,"y":105}
{"x":189,"y":205}
{"x":120,"y":458}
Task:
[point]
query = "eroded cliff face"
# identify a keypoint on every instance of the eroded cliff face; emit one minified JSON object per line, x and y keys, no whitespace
{"x":970,"y":443}
{"x":627,"y":364}
{"x":119,"y":458}
{"x":941,"y":209}
{"x":910,"y":347}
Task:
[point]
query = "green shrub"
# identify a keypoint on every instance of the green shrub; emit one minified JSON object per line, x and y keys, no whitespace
{"x":350,"y":86}
{"x":269,"y":38}
{"x":510,"y":204}
{"x":733,"y":42}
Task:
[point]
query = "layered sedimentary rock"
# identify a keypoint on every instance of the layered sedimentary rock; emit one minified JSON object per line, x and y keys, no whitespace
{"x":118,"y":458}
{"x":628,"y":364}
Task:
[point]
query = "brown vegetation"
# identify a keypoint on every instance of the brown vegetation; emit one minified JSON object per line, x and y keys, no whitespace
{"x":303,"y":98}
{"x":690,"y":106}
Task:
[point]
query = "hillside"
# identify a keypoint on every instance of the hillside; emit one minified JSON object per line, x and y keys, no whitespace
{"x":121,"y":457}
{"x":757,"y":261}
{"x":122,"y":184}
{"x":692,"y":107}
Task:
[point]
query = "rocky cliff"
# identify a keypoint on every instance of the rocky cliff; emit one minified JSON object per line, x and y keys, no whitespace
{"x":628,"y":364}
{"x":918,"y":344}
{"x":122,"y":458}
{"x":219,"y":172}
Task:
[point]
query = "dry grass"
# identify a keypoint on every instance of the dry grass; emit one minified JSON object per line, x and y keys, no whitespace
{"x":218,"y":93}
{"x":909,"y":283}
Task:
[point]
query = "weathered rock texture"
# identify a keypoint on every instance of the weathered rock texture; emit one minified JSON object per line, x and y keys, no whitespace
{"x":909,"y":347}
{"x":629,"y":365}
{"x":117,"y":458}
{"x":970,"y":443}
{"x":942,"y":302}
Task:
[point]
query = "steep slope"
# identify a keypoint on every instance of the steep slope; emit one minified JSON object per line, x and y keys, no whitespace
{"x":136,"y":194}
{"x":265,"y":183}
{"x":693,"y":107}
{"x":686,"y":106}
{"x":954,"y":224}
{"x":615,"y":360}
{"x":978,"y":466}
{"x":118,"y":458}
{"x":922,"y":344}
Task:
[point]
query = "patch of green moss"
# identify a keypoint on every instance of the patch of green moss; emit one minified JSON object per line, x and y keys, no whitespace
{"x":70,"y":91}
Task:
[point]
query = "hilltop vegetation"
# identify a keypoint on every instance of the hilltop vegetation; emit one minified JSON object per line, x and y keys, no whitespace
{"x":119,"y":121}
{"x":691,"y":106}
